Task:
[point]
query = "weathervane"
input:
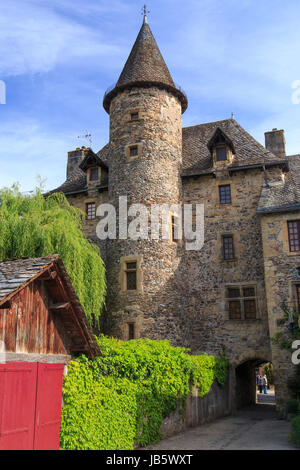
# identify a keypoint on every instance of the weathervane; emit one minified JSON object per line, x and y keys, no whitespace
{"x":145,"y":11}
{"x":86,"y":136}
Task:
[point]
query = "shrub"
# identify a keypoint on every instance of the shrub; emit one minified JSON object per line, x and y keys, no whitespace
{"x":121,"y":397}
{"x":295,"y":431}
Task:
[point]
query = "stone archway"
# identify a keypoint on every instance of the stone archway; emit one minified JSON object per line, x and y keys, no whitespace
{"x":245,"y":381}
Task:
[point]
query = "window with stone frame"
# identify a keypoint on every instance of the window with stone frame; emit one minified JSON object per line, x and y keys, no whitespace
{"x":242,"y":302}
{"x":228,"y":247}
{"x":131,"y":330}
{"x":294,"y":234}
{"x":91,"y":210}
{"x":131,"y":275}
{"x":134,"y":115}
{"x":225,"y":194}
{"x":133,"y":151}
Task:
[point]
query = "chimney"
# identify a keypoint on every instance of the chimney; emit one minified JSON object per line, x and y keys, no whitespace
{"x":275,"y":142}
{"x":75,"y":157}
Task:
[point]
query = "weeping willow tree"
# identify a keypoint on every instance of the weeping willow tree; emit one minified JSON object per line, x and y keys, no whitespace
{"x":35,"y":226}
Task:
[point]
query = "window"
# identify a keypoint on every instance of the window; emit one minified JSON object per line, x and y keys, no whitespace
{"x":133,"y":151}
{"x":225,"y":194}
{"x":221,"y":153}
{"x":91,"y":210}
{"x":173,"y":228}
{"x":134,"y":116}
{"x":131,"y":277}
{"x":94,"y":174}
{"x":131,"y":331}
{"x":294,"y":235}
{"x":228,"y":249}
{"x":241,"y":303}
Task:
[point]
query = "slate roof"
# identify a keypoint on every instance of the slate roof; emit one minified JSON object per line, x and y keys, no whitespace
{"x":77,"y":181}
{"x":282,"y":196}
{"x":145,"y":66}
{"x":197,"y":158}
{"x":16,"y":273}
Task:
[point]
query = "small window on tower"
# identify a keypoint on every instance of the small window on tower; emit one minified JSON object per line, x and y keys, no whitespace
{"x":131,"y":331}
{"x":133,"y":152}
{"x":134,"y":116}
{"x":131,"y":276}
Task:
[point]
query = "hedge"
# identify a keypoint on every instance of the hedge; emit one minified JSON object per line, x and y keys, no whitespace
{"x":120,"y":398}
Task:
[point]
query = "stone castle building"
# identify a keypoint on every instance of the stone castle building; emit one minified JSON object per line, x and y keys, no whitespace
{"x":229,"y":292}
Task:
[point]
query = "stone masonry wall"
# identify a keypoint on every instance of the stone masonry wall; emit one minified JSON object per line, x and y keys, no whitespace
{"x":281,"y":281}
{"x":153,"y":177}
{"x":206,"y":273}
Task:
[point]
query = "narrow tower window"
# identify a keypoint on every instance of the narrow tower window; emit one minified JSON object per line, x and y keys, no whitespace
{"x":133,"y":151}
{"x":134,"y":116}
{"x":131,"y":276}
{"x":131,"y":331}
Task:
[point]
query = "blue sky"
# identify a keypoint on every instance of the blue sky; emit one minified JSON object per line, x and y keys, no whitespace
{"x":57,"y":57}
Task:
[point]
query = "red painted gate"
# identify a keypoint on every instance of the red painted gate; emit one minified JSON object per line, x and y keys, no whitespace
{"x":30,"y":405}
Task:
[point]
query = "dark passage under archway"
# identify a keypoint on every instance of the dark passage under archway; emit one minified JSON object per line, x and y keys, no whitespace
{"x":245,"y":376}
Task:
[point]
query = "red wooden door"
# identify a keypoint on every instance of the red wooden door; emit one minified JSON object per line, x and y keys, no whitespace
{"x":48,"y":406}
{"x":30,"y":406}
{"x":17,"y":405}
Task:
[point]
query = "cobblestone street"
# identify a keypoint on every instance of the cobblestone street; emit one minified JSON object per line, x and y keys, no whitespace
{"x":252,"y":428}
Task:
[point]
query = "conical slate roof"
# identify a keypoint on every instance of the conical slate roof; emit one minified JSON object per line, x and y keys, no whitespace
{"x":145,"y":66}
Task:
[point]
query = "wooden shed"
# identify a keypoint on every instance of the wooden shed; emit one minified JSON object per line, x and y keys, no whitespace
{"x":42,"y":324}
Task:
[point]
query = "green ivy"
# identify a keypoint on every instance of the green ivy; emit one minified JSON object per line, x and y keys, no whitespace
{"x":34,"y":226}
{"x":284,"y":338}
{"x":132,"y":386}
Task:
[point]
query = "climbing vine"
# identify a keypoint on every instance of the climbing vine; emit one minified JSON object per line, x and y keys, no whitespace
{"x":35,"y":226}
{"x":133,"y":384}
{"x":289,"y":327}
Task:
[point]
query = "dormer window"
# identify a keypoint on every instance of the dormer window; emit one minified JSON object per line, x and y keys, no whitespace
{"x":221,"y":153}
{"x":221,"y":147}
{"x":94,"y":174}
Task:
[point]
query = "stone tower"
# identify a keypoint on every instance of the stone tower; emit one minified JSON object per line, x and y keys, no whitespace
{"x":145,"y":159}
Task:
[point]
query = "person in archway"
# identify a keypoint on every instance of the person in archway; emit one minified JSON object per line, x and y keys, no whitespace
{"x":265,"y":383}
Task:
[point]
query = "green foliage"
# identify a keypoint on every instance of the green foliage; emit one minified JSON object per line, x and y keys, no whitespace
{"x":284,"y":338}
{"x":35,"y":226}
{"x":292,"y":406}
{"x":268,"y":370}
{"x":150,"y":378}
{"x":295,"y":431}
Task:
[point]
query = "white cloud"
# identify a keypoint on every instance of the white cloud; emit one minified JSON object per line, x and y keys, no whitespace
{"x":34,"y":38}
